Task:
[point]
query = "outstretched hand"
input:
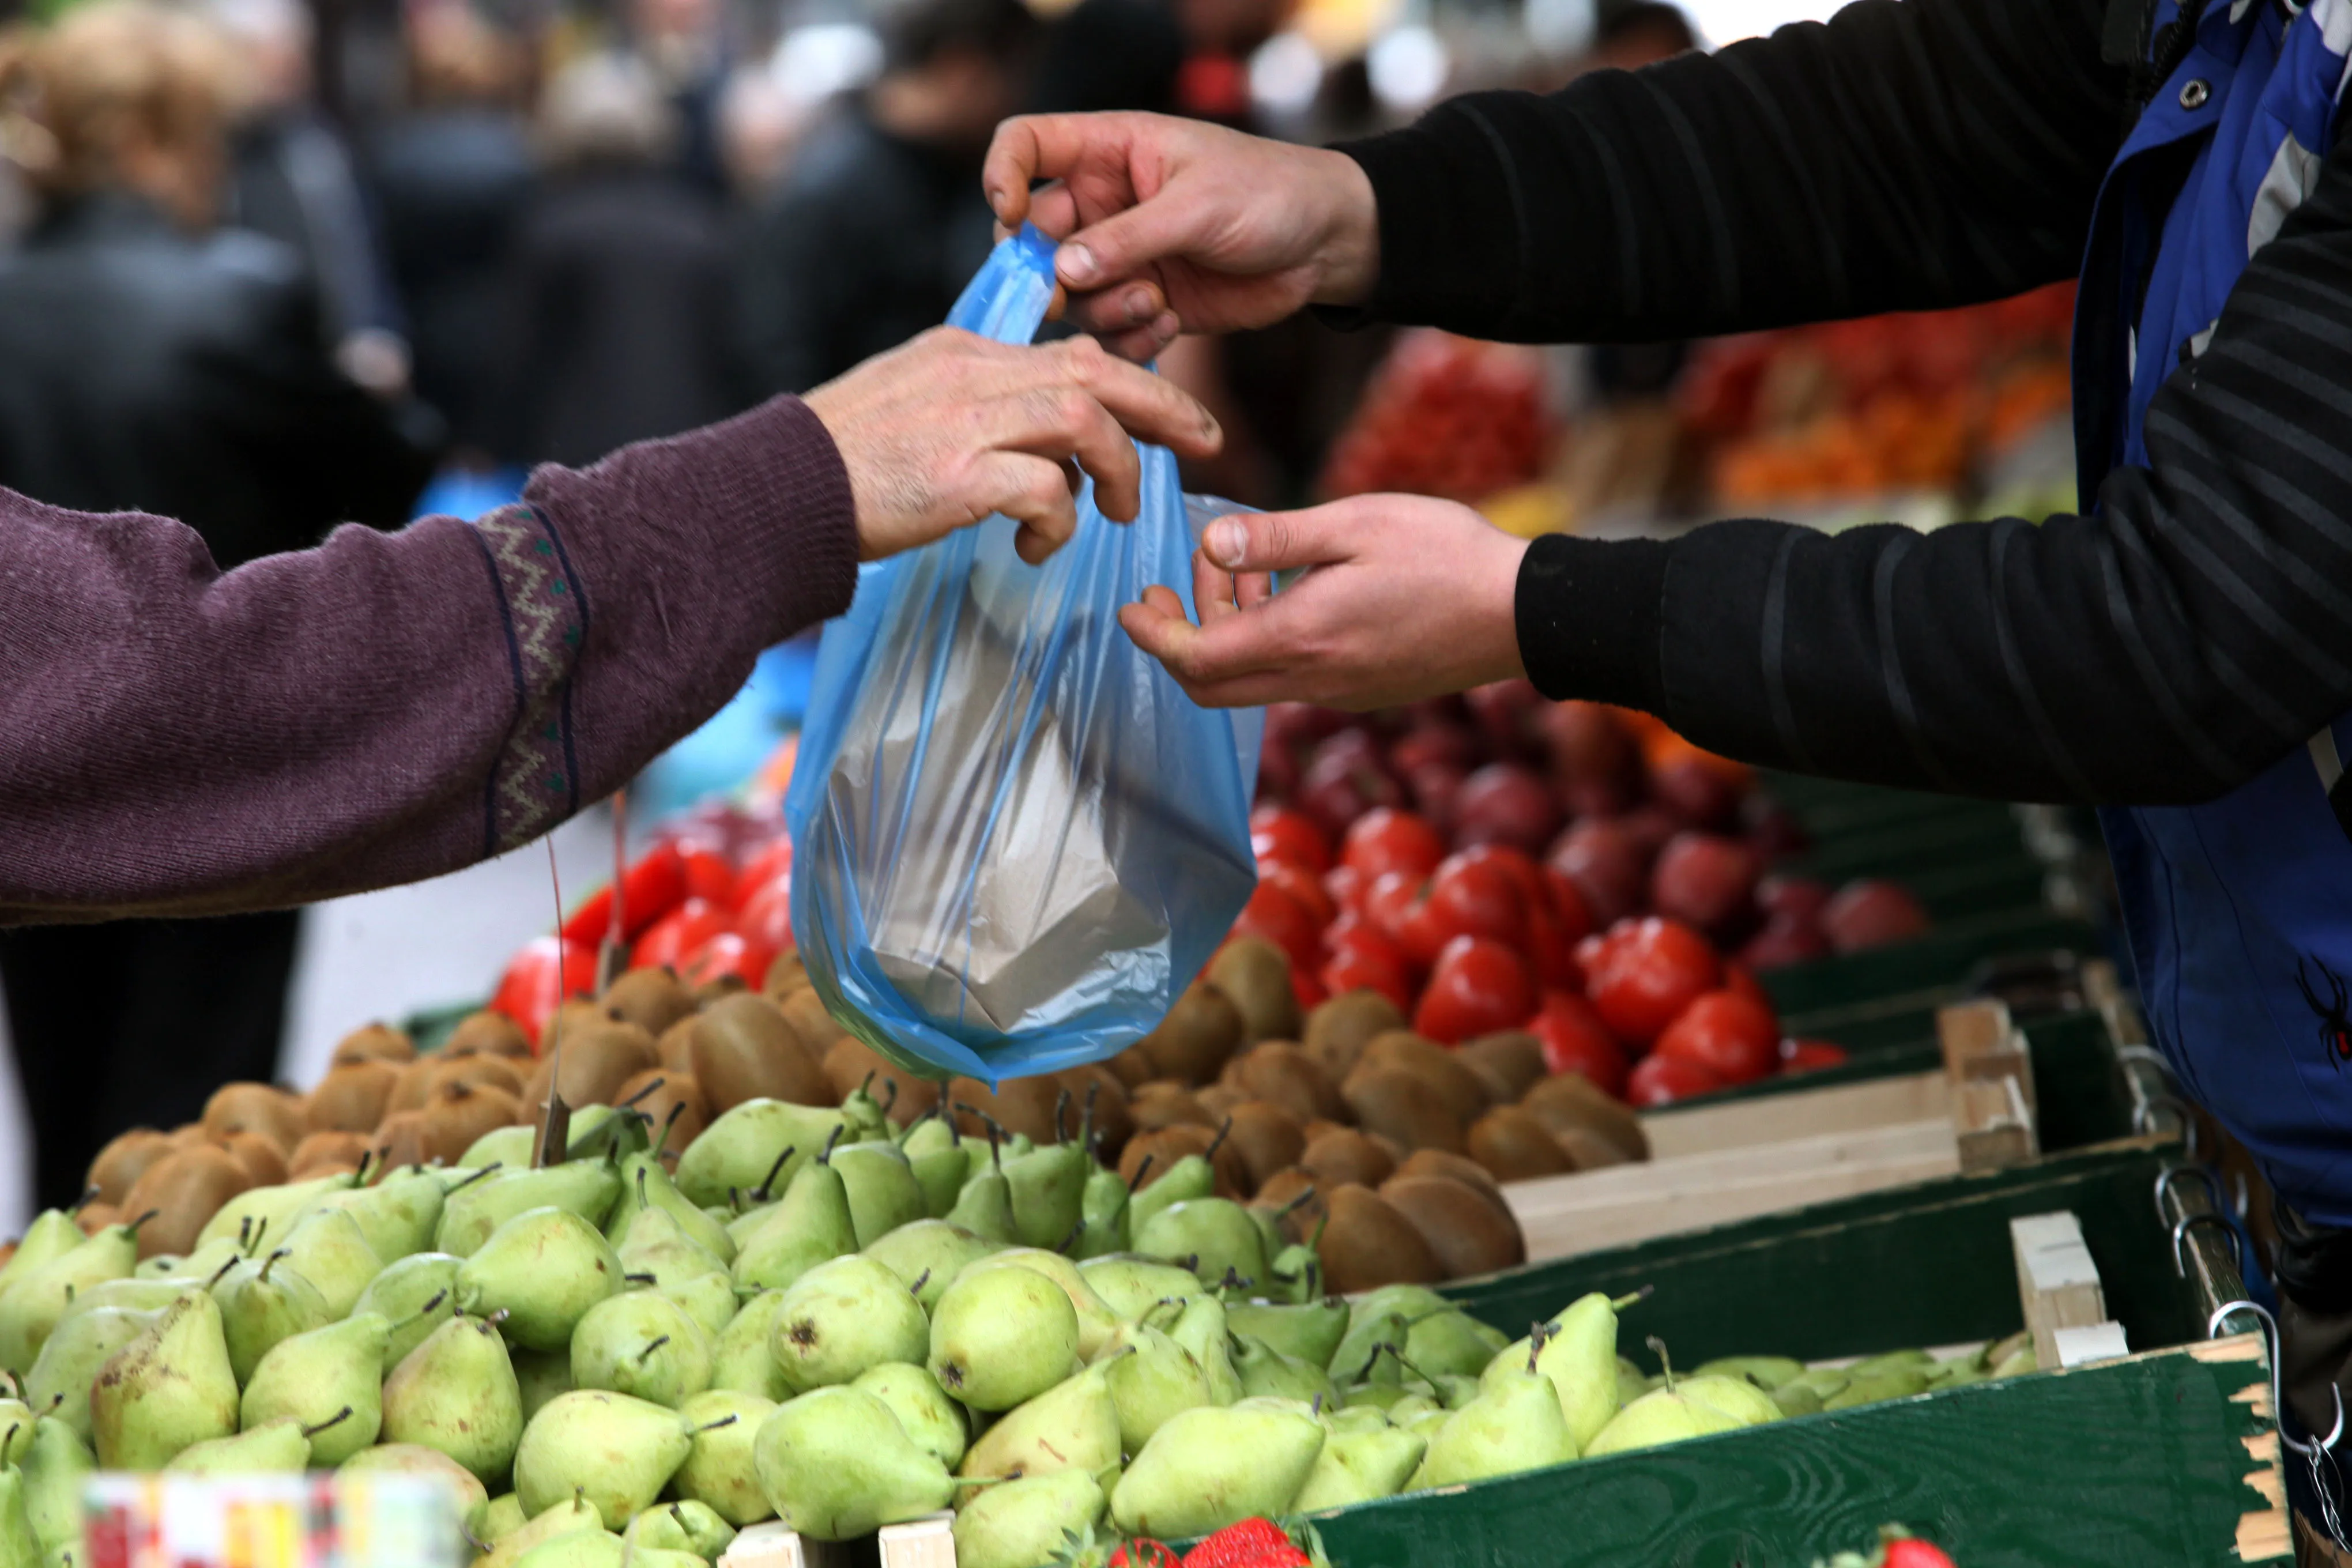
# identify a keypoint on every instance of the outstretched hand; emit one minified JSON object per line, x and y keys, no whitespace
{"x":1405,"y":597}
{"x":950,"y":427}
{"x":1172,"y":225}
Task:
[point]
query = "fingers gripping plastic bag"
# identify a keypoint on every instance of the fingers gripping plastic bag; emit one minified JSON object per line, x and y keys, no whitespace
{"x":1016,"y":838}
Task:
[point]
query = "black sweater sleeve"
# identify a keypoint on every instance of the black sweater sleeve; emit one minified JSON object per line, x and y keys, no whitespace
{"x":1907,"y":154}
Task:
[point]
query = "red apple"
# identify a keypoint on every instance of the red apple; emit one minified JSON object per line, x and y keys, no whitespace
{"x":1347,"y":777}
{"x":1576,"y":1040}
{"x":1771,"y":828}
{"x":1450,"y":744}
{"x":1800,"y":897}
{"x":1435,"y":788}
{"x":1785,"y":939}
{"x":1706,"y":879}
{"x":1602,"y":863}
{"x":1643,"y":973}
{"x":1872,"y":913}
{"x":1696,"y":792}
{"x":1595,"y":760}
{"x":1505,"y":802}
{"x":1508,"y":712}
{"x":1661,"y":1081}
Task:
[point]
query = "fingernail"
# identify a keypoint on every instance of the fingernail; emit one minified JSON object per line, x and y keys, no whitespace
{"x":1139,"y":306}
{"x":1077,"y":264}
{"x":1166,"y":326}
{"x":1226,"y":540}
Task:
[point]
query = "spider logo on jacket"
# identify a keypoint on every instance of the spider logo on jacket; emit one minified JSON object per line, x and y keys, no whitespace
{"x":2335,"y":1025}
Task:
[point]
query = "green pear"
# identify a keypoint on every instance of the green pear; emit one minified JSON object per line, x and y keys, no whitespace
{"x":1190,"y":1178}
{"x":457,"y":1393}
{"x":1766,"y":1371}
{"x":1516,"y":1423}
{"x":544,"y":1269}
{"x":1579,"y":1357}
{"x":1150,"y":1378}
{"x":1263,"y":1370}
{"x":263,"y":1303}
{"x":619,"y":1451}
{"x":836,"y":1463}
{"x":843,"y":1317}
{"x":1359,"y":1463}
{"x":1199,"y":1328}
{"x":1048,"y":1188}
{"x":570,"y":1517}
{"x":810,"y":1225}
{"x":198,"y":1268}
{"x":984,"y":1207}
{"x":170,"y":1387}
{"x":1893,"y":1382}
{"x":1309,"y":1331}
{"x":1732,"y":1395}
{"x":681,"y":1526}
{"x":1360,"y":1356}
{"x":52,"y":1235}
{"x":759,"y":1144}
{"x":1096,"y":1320}
{"x":309,"y":1376}
{"x":1024,"y":1522}
{"x":472,"y":1213}
{"x":579,"y":1549}
{"x":934,"y":1421}
{"x":414,"y":1295}
{"x":1454,"y":1344}
{"x":657,"y":1243}
{"x":1891,"y":1361}
{"x":1072,"y":1425}
{"x":1002,"y":1337}
{"x":36,"y":1299}
{"x":276,"y":1447}
{"x":415,"y":1459}
{"x":257,"y":1219}
{"x":55,"y":1466}
{"x":654,"y":1557}
{"x":646,"y":1183}
{"x":708,"y":1298}
{"x":398,"y":1214}
{"x":1294,"y":1272}
{"x":20,"y":1544}
{"x":1209,"y":1468}
{"x":927,"y":1255}
{"x":507,"y":1147}
{"x":1131,"y":1285}
{"x":500,"y":1517}
{"x":131,"y":1292}
{"x":882,"y":1189}
{"x":1102,"y":1214}
{"x":1796,"y":1399}
{"x":643,"y":1345}
{"x":69,"y":1362}
{"x":1674,"y":1413}
{"x":1632,"y":1382}
{"x":739,"y":1226}
{"x":1214,"y":1237}
{"x":740,"y":1357}
{"x":942,"y":1163}
{"x":16,"y":1423}
{"x":328,"y":1247}
{"x":539,"y":1376}
{"x":718,"y":1472}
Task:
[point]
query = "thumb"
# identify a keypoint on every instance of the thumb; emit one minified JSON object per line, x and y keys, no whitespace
{"x":1170,"y":224}
{"x":1273,"y":541}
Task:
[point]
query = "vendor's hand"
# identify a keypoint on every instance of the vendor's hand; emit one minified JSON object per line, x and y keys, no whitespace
{"x":1408,"y":598}
{"x":950,"y":427}
{"x":1172,"y":225}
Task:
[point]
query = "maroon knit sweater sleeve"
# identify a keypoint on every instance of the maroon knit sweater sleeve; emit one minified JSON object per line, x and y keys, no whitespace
{"x":387,"y":707}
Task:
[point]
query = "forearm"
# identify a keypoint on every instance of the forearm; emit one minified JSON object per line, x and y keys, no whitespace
{"x":386,"y":708}
{"x":1909,"y":154}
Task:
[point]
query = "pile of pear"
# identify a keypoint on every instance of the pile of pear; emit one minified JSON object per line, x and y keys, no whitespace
{"x":1403,"y":1142}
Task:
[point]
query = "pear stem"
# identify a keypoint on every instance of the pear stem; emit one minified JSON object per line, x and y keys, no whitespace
{"x":641,"y":1094}
{"x":1659,"y":1347}
{"x":1536,"y":1338}
{"x":1061,"y":1109}
{"x":920,"y":1118}
{"x":477,"y":1176}
{"x":646,"y":1353}
{"x":713,"y":1426}
{"x":340,"y":1415}
{"x":133,"y":1225}
{"x":1135,"y":1186}
{"x":832,"y":1139}
{"x":244,"y":1234}
{"x":360,"y":1173}
{"x":669,"y":1125}
{"x":1218,"y":1142}
{"x":643,"y":1201}
{"x":1295,"y":1205}
{"x":641,"y":1278}
{"x":920,"y":1280}
{"x":1086,"y":1118}
{"x":1635,"y":1300}
{"x":1315,"y":1242}
{"x":433,"y":1304}
{"x":89,"y":1196}
{"x":891,"y":1102}
{"x":222,"y":1272}
{"x":1071,"y":1240}
{"x":759,"y":1194}
{"x":271,"y":1261}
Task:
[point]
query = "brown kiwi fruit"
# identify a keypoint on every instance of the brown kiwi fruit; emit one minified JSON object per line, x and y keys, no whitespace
{"x":1169,"y":1144}
{"x":1198,"y":1034}
{"x":351,"y":1098}
{"x":850,"y":1062}
{"x":1113,"y":1126}
{"x":1132,"y":1067}
{"x":261,"y":1108}
{"x":743,"y":1047}
{"x":323,"y":1151}
{"x":1164,"y":1103}
{"x":1346,"y":1155}
{"x":653,"y":999}
{"x":1255,"y":973}
{"x":1023,"y":1105}
{"x":1454,"y":1168}
{"x":124,"y":1159}
{"x":1338,"y":1030}
{"x":719,"y":987}
{"x":1219,"y":1100}
{"x":1399,"y":1104}
{"x":487,"y":1034}
{"x":1509,"y":1142}
{"x":404,"y":1139}
{"x":786,"y":974}
{"x":1569,"y":1099}
{"x":817,"y":1029}
{"x":662,"y":1094}
{"x":1366,"y":1244}
{"x":1294,"y":1197}
{"x":1589,"y":1150}
{"x":1282,"y":1071}
{"x":488,"y":1072}
{"x":675,"y":1046}
{"x":461,"y":1111}
{"x":95,"y":1217}
{"x":1267,"y":1137}
{"x":263,"y":1160}
{"x":1319,"y":1127}
{"x":413,"y":1087}
{"x":1508,"y":1064}
{"x":1456,"y":1085}
{"x":576,"y":1015}
{"x":183,"y":1193}
{"x":596,"y":1062}
{"x":1467,"y":1230}
{"x":374,"y":1042}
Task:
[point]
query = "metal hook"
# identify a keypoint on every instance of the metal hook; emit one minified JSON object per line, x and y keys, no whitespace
{"x":2143,"y":1117}
{"x":2166,"y":1177}
{"x":2181,"y":1233}
{"x":2278,"y":1391}
{"x":2148,"y":1054}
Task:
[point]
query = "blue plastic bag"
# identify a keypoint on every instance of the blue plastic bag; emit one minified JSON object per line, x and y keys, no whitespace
{"x":1015,"y":839}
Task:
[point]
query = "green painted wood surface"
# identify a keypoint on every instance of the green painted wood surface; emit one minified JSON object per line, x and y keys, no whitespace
{"x":2128,"y":1464}
{"x":1912,"y":1266}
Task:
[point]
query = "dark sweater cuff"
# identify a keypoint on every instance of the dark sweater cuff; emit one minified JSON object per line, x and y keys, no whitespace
{"x":1590,"y":615}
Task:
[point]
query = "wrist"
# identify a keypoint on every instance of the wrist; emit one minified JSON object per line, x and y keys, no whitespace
{"x":1348,"y":260}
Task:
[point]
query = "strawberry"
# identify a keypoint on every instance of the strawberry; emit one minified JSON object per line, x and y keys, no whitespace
{"x":1914,"y":1553}
{"x":1143,"y":1553}
{"x":1252,"y":1543}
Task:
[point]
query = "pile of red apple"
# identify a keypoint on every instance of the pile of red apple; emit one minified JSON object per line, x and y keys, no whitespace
{"x":1443,"y":416}
{"x":1501,"y":862}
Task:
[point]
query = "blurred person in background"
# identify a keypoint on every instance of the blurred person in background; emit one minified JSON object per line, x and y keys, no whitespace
{"x":451,"y":178}
{"x":293,"y":180}
{"x":1628,"y":36}
{"x":617,"y":315}
{"x":683,"y":43}
{"x":878,"y":222}
{"x":150,"y":363}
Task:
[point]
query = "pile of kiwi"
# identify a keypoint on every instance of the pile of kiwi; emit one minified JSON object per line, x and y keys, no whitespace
{"x":1403,"y":1142}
